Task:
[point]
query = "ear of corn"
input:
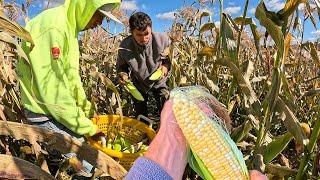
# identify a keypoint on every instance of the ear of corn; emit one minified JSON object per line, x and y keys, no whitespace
{"x":133,"y":90}
{"x":197,"y":165}
{"x":156,"y":75}
{"x":206,"y":136}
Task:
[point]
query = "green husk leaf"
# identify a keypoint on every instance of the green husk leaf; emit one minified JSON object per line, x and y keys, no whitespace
{"x":156,"y":75}
{"x":133,"y":90}
{"x":197,"y":165}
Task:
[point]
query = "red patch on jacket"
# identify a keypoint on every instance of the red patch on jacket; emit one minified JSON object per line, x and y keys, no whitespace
{"x":55,"y":52}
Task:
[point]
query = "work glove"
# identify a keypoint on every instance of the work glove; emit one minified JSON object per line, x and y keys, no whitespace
{"x":122,"y":78}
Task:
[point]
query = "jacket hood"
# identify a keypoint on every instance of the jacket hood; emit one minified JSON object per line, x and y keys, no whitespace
{"x":79,"y":12}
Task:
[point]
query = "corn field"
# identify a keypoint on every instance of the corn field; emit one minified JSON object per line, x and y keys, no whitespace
{"x":265,"y":74}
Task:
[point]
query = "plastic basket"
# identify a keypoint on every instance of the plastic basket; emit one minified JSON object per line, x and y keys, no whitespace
{"x":132,"y":130}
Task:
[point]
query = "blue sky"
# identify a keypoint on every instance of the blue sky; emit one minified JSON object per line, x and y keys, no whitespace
{"x":162,"y":11}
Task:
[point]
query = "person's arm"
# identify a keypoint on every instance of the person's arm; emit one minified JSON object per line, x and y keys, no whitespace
{"x":146,"y":169}
{"x":51,"y":81}
{"x":168,"y":150}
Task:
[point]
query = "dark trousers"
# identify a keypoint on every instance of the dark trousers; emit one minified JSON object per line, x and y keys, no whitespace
{"x":160,"y":95}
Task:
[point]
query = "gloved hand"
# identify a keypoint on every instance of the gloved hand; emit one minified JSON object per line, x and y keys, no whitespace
{"x":169,"y":148}
{"x":123,"y":77}
{"x":164,"y":69}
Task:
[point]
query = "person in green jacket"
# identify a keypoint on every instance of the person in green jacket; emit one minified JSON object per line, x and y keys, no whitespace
{"x":50,"y":84}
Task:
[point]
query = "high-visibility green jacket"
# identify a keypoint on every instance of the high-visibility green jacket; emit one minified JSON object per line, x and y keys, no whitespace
{"x":51,"y":83}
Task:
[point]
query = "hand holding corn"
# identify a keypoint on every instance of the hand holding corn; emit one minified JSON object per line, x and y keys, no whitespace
{"x":159,"y":73}
{"x":170,"y":148}
{"x":123,"y":77}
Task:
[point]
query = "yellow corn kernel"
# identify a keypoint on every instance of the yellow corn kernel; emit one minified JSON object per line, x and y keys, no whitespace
{"x":206,"y":138}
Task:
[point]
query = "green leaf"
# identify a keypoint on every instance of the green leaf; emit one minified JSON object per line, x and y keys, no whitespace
{"x":272,"y":28}
{"x":156,"y":75}
{"x":133,"y":90}
{"x":241,"y":131}
{"x":198,"y":166}
{"x":274,"y":148}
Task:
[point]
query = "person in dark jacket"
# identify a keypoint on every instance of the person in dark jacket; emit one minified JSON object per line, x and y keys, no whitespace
{"x":139,"y":56}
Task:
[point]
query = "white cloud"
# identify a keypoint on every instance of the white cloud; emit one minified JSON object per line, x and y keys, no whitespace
{"x":166,"y":16}
{"x":316,"y":33}
{"x":252,"y":10}
{"x":274,"y":5}
{"x":217,"y":23}
{"x":301,"y":7}
{"x":129,"y":5}
{"x":232,"y":10}
{"x":311,"y":39}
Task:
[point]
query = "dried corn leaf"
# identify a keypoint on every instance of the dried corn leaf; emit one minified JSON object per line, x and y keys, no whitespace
{"x":244,"y":85}
{"x":291,"y":122}
{"x":207,"y":51}
{"x":318,"y":7}
{"x":289,"y":8}
{"x":287,"y":44}
{"x":255,"y":33}
{"x":314,"y":54}
{"x":247,"y":21}
{"x":7,"y":38}
{"x":107,"y":82}
{"x":309,"y":10}
{"x":228,"y":39}
{"x":204,"y":14}
{"x":280,"y":171}
{"x":247,"y":68}
{"x":14,"y":29}
{"x":209,"y":83}
{"x":285,"y":87}
{"x":2,"y":116}
{"x":207,"y":27}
